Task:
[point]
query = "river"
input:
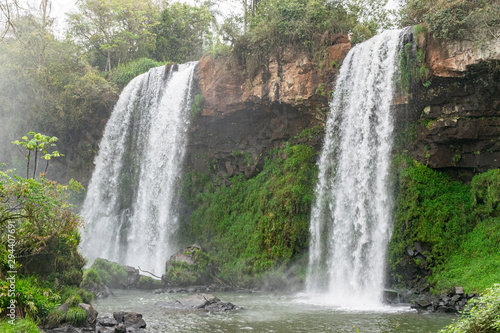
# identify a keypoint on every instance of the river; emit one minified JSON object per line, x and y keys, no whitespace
{"x":269,"y":313}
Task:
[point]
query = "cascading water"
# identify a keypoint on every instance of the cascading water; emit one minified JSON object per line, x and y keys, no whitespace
{"x":130,"y":203}
{"x":351,"y":218}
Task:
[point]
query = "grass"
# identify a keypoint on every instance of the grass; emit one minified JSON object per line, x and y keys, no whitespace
{"x":24,"y":325}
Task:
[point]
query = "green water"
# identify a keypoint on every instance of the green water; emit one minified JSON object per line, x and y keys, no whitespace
{"x":269,"y":313}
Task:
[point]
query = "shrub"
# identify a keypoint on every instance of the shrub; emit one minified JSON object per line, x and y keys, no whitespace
{"x":456,"y":19}
{"x":480,"y":315}
{"x":91,"y":276}
{"x":110,"y":273}
{"x":124,"y":73}
{"x":47,"y":235}
{"x":75,"y":316}
{"x":277,"y":25}
{"x":31,"y":298}
{"x":147,"y":282}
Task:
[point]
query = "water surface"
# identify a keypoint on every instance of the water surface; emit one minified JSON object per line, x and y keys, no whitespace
{"x":269,"y":313}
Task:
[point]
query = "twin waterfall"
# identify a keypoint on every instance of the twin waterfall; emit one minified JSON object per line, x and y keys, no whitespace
{"x":129,"y":208}
{"x":131,"y":198}
{"x":351,"y":218}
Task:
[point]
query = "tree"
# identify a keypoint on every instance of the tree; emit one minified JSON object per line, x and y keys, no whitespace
{"x":47,"y":86}
{"x":117,"y":31}
{"x":38,"y":143}
{"x":8,"y":11}
{"x":183,"y":33}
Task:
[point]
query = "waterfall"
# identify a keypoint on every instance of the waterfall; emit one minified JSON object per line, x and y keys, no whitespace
{"x":351,"y":217}
{"x":130,"y":204}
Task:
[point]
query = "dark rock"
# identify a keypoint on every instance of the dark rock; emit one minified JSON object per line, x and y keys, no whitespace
{"x":100,"y":290}
{"x":133,"y":276}
{"x":133,"y":320}
{"x":410,"y":251}
{"x":91,"y":314}
{"x":205,"y":302}
{"x":119,"y":316}
{"x":391,"y":296}
{"x":64,"y":307}
{"x":121,"y":322}
{"x":107,"y":322}
{"x":120,"y":329}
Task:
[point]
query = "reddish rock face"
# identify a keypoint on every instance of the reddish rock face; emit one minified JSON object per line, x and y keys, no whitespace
{"x":242,"y":118}
{"x":452,"y":59}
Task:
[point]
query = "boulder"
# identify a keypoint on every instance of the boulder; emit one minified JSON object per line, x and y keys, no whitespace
{"x":100,"y":290}
{"x":185,"y":255}
{"x":133,"y":276}
{"x":62,"y":327}
{"x":203,"y":302}
{"x":91,"y":314}
{"x":189,"y":267}
{"x":121,"y":322}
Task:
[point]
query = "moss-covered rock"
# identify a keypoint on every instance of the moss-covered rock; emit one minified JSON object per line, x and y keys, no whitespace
{"x":189,"y":266}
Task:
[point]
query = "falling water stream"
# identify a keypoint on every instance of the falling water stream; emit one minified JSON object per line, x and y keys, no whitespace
{"x":351,"y":218}
{"x":129,"y":208}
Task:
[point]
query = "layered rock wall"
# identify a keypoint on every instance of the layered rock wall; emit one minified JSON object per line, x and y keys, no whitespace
{"x":243,"y":118}
{"x":458,"y":130}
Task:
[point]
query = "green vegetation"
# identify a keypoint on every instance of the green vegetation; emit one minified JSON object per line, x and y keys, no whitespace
{"x":75,"y":316}
{"x":110,"y":273}
{"x":25,"y":325}
{"x":183,"y":273}
{"x":124,"y":73}
{"x":147,"y":282}
{"x":32,"y":298}
{"x":480,"y":315}
{"x":304,"y":26}
{"x":456,"y":19}
{"x":183,"y":32}
{"x":456,"y":222}
{"x":256,"y":224}
{"x":39,"y":240}
{"x":197,"y":105}
{"x":412,"y":63}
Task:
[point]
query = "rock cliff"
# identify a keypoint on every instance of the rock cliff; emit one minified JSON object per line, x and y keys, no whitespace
{"x":243,"y":118}
{"x":458,"y":127}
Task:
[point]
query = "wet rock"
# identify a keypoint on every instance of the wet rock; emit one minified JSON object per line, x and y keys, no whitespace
{"x":121,"y":322}
{"x":91,"y":314}
{"x":452,"y":302}
{"x":107,"y":322}
{"x":133,"y":276}
{"x":100,"y":290}
{"x":205,"y":302}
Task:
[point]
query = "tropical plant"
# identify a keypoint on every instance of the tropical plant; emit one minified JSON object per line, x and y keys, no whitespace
{"x":38,"y":143}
